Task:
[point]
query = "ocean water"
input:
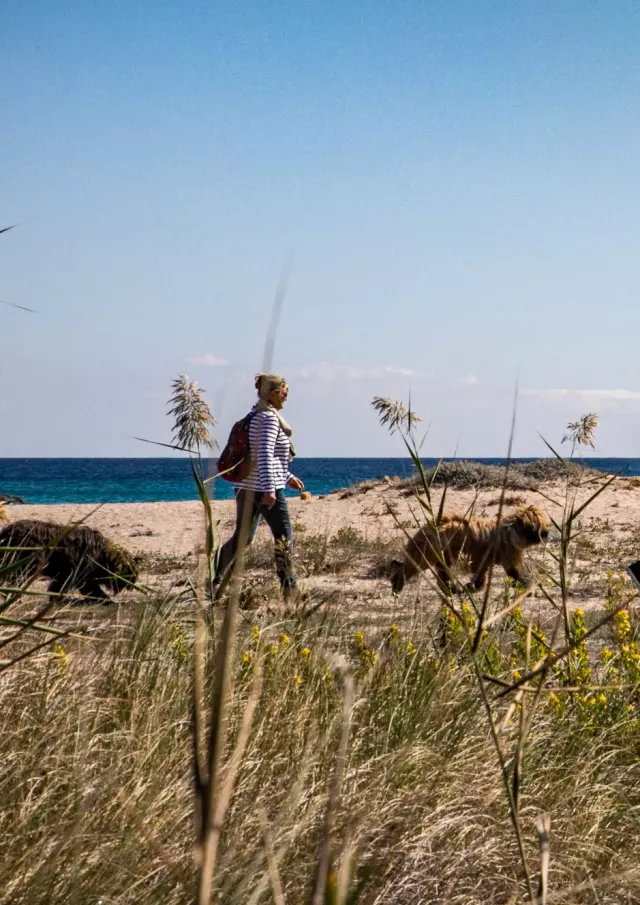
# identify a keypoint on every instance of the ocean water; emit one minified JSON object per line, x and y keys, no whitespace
{"x":154,"y":480}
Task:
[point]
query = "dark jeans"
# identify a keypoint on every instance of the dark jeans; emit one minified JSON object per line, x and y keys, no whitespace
{"x":277,"y":518}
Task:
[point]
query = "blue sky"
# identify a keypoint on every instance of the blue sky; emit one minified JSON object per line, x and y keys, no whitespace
{"x":458,"y":184}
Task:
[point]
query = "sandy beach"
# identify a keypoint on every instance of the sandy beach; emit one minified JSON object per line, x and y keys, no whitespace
{"x":170,"y":533}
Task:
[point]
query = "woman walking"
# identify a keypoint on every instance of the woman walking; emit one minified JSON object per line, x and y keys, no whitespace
{"x":261,"y":494}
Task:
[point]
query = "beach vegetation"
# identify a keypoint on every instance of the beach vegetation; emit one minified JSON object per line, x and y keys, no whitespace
{"x":466,"y":749}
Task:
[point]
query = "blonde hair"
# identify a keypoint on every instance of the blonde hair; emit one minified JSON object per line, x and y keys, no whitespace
{"x":266,"y":383}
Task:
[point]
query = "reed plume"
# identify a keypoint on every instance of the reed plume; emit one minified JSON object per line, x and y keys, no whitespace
{"x":192,"y":415}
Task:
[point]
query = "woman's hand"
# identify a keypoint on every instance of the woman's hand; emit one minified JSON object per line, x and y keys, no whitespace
{"x":268,"y":500}
{"x":295,"y":483}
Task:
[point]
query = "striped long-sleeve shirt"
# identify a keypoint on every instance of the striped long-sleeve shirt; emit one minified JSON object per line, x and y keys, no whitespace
{"x":270,"y":449}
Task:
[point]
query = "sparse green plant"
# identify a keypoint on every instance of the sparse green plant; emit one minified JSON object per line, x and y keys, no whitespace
{"x":313,"y":550}
{"x":348,"y":537}
{"x":256,"y":592}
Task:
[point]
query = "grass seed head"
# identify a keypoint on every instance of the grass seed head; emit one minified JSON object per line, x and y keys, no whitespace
{"x":192,"y":416}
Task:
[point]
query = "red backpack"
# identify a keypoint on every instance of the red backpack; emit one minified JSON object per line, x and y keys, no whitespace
{"x":235,"y":462}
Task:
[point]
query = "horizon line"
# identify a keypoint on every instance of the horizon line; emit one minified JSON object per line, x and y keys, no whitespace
{"x":305,"y":458}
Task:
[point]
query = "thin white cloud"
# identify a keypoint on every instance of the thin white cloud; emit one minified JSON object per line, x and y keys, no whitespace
{"x":603,"y":395}
{"x":210,"y":361}
{"x":615,"y":400}
{"x":327,"y":373}
{"x":471,"y":380}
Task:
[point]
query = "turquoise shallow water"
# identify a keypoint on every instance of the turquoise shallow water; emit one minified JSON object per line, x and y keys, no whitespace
{"x":154,"y":480}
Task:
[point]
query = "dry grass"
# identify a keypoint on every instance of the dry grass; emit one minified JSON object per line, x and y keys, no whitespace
{"x":348,"y":550}
{"x":97,"y":800}
{"x":466,"y":756}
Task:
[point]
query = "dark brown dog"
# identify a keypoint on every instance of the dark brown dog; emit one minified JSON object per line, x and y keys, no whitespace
{"x":78,"y":557}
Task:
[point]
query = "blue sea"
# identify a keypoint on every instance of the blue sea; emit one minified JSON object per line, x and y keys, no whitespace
{"x":154,"y":480}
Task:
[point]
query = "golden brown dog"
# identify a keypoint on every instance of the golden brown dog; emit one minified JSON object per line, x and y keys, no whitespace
{"x":480,"y":541}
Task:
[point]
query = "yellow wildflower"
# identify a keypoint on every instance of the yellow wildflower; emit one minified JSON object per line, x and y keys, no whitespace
{"x":63,"y":659}
{"x":358,"y":638}
{"x":273,"y":649}
{"x":411,"y":649}
{"x":602,"y":698}
{"x":368,"y":657}
{"x":297,"y":680}
{"x":284,"y":639}
{"x":305,"y":653}
{"x":623,"y":624}
{"x":394,"y":629}
{"x":179,"y":642}
{"x":247,"y":657}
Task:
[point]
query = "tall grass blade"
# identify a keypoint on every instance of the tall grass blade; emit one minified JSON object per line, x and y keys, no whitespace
{"x":276,"y":311}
